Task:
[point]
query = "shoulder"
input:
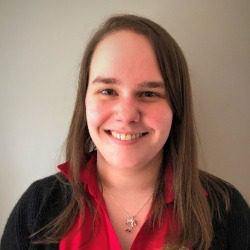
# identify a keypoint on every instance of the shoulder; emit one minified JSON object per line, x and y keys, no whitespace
{"x":224,"y":193}
{"x":237,"y":210}
{"x":232,"y":229}
{"x":237,"y":221}
{"x":43,"y":189}
{"x":231,"y":214}
{"x":41,"y":202}
{"x":48,"y":195}
{"x":39,"y":194}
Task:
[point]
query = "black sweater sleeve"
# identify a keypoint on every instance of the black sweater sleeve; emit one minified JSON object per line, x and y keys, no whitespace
{"x":41,"y":202}
{"x":238,"y":227}
{"x":232,"y":227}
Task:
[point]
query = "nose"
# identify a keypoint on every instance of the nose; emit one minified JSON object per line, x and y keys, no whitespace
{"x":127,"y":111}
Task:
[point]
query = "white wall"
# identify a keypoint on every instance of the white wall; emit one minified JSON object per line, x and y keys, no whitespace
{"x":41,"y":46}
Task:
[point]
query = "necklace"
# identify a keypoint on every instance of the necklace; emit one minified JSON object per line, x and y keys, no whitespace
{"x":131,"y":222}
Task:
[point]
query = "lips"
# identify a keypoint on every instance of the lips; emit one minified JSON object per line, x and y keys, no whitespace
{"x":126,"y":136}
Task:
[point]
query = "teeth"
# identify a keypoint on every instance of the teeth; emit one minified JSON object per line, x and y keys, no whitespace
{"x":125,"y":137}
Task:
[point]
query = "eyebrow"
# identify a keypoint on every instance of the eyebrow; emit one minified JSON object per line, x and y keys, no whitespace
{"x":106,"y":80}
{"x":146,"y":84}
{"x":152,"y":84}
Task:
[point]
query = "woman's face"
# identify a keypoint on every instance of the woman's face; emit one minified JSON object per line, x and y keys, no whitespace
{"x":128,"y":115}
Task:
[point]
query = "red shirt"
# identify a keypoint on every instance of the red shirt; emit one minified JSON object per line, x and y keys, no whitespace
{"x":81,"y":236}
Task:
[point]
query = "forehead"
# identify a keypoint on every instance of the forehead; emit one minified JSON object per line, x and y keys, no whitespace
{"x":124,"y":36}
{"x":125,"y":52}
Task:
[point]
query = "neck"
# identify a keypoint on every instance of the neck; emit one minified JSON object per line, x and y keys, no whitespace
{"x":128,"y":180}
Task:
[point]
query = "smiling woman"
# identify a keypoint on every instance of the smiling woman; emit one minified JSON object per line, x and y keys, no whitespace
{"x":131,"y":179}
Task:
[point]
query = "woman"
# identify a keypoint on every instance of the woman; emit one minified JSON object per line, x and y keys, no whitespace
{"x":131,"y":179}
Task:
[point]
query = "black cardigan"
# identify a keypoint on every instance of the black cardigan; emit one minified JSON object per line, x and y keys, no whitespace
{"x":46,"y":198}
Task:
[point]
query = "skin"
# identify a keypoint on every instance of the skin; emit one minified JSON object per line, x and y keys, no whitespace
{"x":129,"y":120}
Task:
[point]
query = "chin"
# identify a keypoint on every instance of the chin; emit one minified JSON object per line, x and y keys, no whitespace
{"x":129,"y":162}
{"x":128,"y":159}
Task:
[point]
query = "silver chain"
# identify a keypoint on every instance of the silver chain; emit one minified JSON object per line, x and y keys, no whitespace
{"x":130,"y":221}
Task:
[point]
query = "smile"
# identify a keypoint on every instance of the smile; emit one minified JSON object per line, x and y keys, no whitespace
{"x":126,"y":136}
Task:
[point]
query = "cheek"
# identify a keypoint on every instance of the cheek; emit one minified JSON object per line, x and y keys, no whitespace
{"x":92,"y":115}
{"x":162,"y":120}
{"x":96,"y":114}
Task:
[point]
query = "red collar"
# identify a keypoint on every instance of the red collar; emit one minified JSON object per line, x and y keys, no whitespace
{"x":89,"y":173}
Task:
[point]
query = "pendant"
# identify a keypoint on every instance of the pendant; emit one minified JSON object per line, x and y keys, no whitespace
{"x":131,"y":223}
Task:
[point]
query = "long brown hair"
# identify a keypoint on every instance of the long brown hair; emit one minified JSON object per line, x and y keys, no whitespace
{"x":191,"y":208}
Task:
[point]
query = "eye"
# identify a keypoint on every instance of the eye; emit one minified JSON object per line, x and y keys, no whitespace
{"x":149,"y":94}
{"x":107,"y":92}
